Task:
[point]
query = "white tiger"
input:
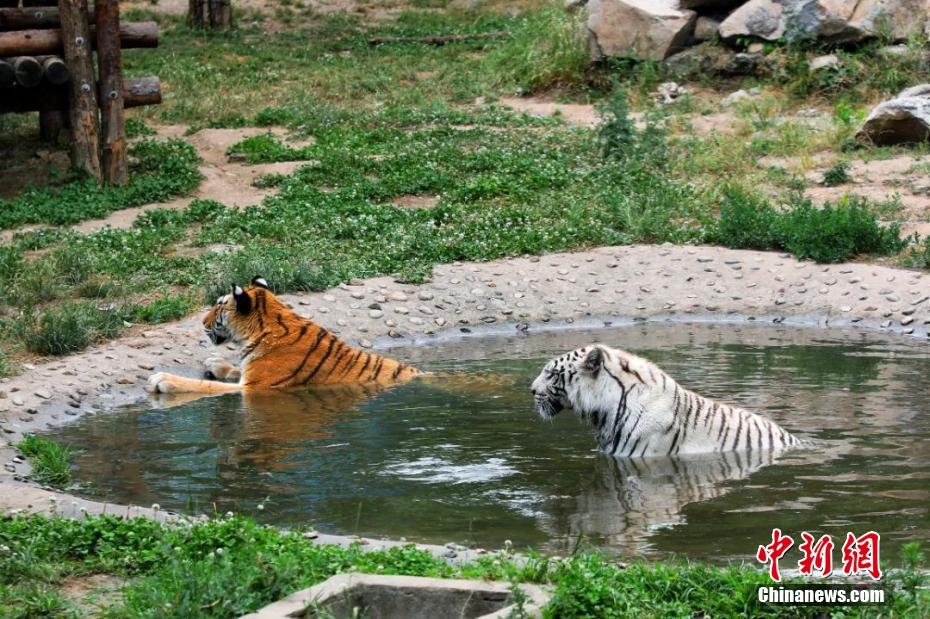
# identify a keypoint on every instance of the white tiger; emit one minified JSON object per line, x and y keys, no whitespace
{"x":636,"y":409}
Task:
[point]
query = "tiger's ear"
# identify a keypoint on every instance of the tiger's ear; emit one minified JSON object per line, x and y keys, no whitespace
{"x":261,"y":282}
{"x":243,"y":300}
{"x":594,"y":360}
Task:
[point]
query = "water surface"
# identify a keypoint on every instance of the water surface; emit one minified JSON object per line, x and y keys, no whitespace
{"x":465,"y":459}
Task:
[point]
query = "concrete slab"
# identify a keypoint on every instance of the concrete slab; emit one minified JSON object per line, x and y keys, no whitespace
{"x":405,"y":597}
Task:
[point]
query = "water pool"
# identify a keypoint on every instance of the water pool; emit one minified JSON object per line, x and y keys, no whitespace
{"x":465,"y":459}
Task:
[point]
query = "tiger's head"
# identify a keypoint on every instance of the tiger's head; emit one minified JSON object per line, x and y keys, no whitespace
{"x":589,"y":380}
{"x":233,"y":318}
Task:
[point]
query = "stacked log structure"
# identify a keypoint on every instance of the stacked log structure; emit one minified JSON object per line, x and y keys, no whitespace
{"x":46,"y":65}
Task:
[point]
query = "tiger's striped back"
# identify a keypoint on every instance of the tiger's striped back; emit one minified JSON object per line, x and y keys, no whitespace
{"x":284,"y":350}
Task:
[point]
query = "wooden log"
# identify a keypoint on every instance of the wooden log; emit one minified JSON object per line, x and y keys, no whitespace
{"x":439,"y":40}
{"x":141,"y":91}
{"x":7,"y":74}
{"x":110,"y":71}
{"x":28,"y":70}
{"x":37,"y":42}
{"x":136,"y":92}
{"x":29,"y":18}
{"x":56,"y":71}
{"x":76,"y":39}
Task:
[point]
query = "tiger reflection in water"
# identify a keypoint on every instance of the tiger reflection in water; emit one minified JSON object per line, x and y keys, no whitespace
{"x":628,"y":497}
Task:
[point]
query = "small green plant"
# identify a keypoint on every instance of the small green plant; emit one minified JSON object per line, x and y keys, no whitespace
{"x":136,"y":128}
{"x":617,"y":135}
{"x":838,"y":174}
{"x":6,"y":366}
{"x":622,"y":141}
{"x":918,"y":255}
{"x":51,"y":462}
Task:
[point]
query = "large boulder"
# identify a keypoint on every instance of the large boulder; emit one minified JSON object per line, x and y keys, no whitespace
{"x":757,"y":18}
{"x":902,"y":120}
{"x":644,"y":29}
{"x":831,"y":21}
{"x":897,"y":19}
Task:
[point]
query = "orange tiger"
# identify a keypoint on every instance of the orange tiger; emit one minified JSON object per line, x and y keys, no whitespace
{"x":282,"y":351}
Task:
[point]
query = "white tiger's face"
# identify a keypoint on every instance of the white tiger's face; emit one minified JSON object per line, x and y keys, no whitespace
{"x":584,"y":380}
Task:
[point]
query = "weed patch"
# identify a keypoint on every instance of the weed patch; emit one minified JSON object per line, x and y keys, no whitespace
{"x":833,"y":233}
{"x":51,"y":462}
{"x":70,"y":327}
{"x":546,"y":50}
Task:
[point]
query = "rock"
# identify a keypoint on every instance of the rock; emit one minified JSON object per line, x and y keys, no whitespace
{"x":648,"y":30}
{"x":830,"y":61}
{"x":757,"y":18}
{"x":707,"y":59}
{"x":891,"y":52}
{"x":826,"y":21}
{"x":735,"y":97}
{"x":710,"y":6}
{"x":902,"y":120}
{"x":751,"y":63}
{"x":574,"y":5}
{"x":669,"y":92}
{"x":705,"y":28}
{"x":895,"y":19}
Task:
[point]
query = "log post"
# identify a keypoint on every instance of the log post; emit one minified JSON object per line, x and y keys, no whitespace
{"x":110,"y":69}
{"x":137,"y":91}
{"x":28,"y":70}
{"x":56,"y":71}
{"x":210,"y":14}
{"x":75,"y":38}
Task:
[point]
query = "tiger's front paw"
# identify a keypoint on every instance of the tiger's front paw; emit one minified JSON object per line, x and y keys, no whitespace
{"x":217,"y":368}
{"x":160,"y":382}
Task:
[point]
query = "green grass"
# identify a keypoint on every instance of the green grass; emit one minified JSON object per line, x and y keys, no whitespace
{"x":505,"y":183}
{"x":165,"y":308}
{"x":51,"y":462}
{"x":70,"y":326}
{"x":547,"y":49}
{"x":226,"y":567}
{"x":166,"y":169}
